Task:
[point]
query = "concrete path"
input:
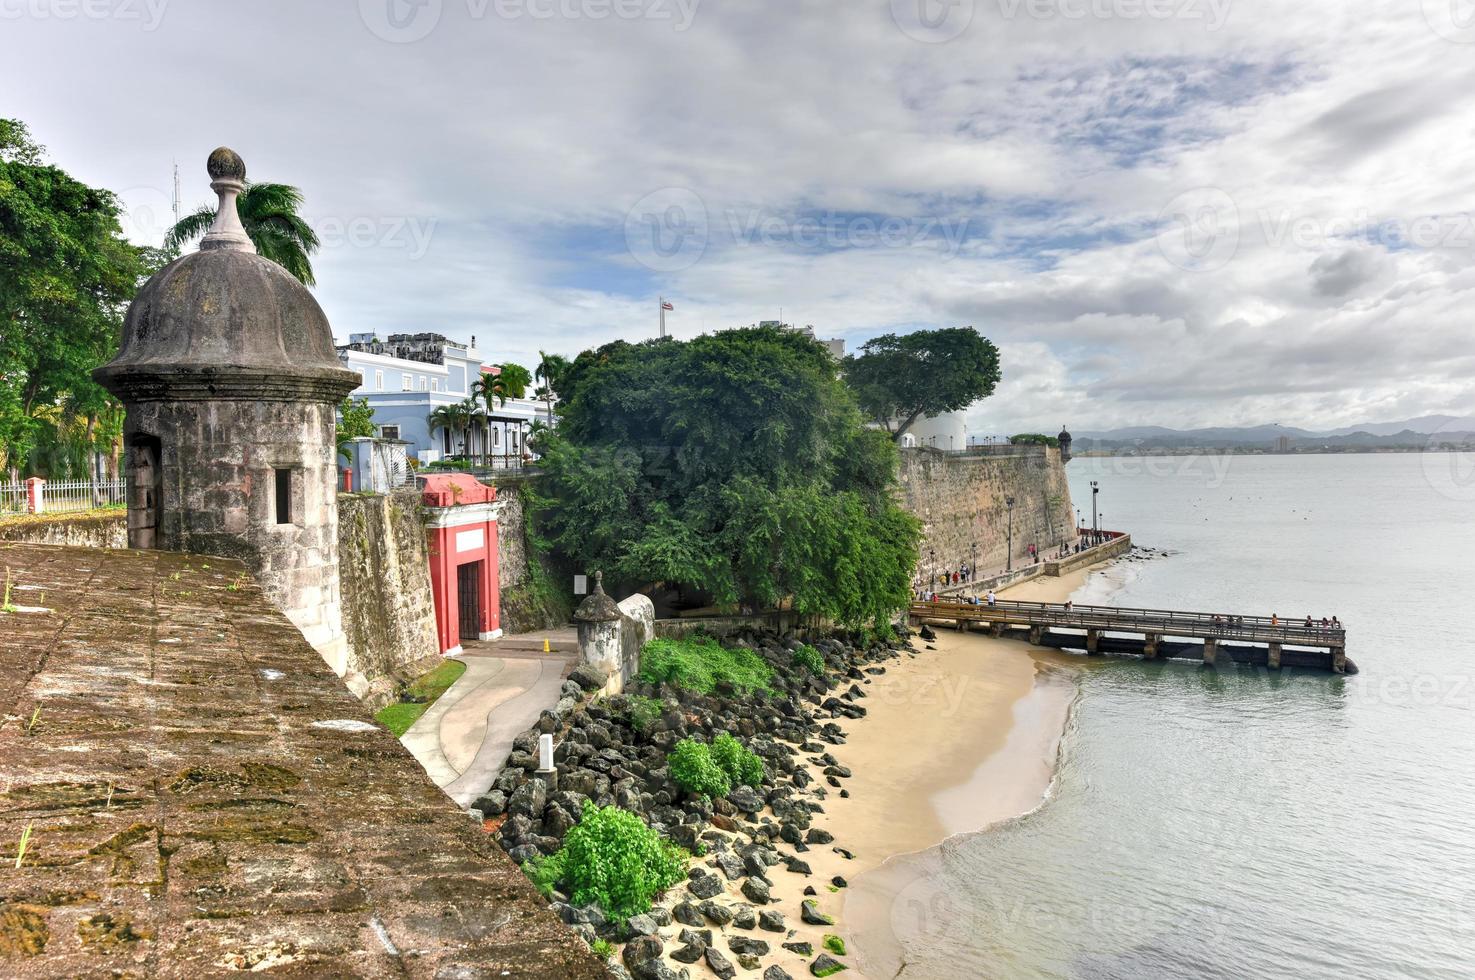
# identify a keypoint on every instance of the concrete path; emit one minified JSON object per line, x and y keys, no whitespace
{"x":464,"y":738}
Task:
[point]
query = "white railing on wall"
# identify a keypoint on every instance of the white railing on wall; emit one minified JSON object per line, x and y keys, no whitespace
{"x":39,"y":496}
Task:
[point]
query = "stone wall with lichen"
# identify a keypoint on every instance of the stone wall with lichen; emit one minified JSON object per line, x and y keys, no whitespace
{"x":530,"y":593}
{"x":94,"y":528}
{"x":961,"y":501}
{"x":200,"y":796}
{"x":388,"y":609}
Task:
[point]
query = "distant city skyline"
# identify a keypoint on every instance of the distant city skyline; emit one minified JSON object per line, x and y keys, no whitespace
{"x":1198,"y":214}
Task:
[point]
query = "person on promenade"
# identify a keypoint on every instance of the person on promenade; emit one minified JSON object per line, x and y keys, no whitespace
{"x":1274,"y":620}
{"x":1336,"y":624}
{"x":992,"y":599}
{"x":1068,"y":606}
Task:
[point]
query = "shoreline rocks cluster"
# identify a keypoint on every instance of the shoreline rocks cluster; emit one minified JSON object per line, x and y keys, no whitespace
{"x":612,"y":751}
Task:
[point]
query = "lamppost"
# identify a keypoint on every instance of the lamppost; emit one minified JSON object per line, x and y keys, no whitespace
{"x":1095,"y":518}
{"x":1009,"y":565}
{"x":931,"y":568}
{"x":973,"y":562}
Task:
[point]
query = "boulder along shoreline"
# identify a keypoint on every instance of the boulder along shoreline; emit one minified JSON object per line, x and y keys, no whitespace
{"x":771,"y":866}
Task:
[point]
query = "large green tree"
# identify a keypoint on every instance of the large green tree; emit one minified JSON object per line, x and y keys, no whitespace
{"x":737,"y":463}
{"x":66,"y":277}
{"x":900,"y":378}
{"x":269,"y":215}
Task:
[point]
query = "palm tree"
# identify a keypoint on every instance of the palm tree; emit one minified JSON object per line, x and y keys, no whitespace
{"x":508,"y":381}
{"x":451,"y":418}
{"x":550,"y":371}
{"x":269,"y":214}
{"x":468,"y":409}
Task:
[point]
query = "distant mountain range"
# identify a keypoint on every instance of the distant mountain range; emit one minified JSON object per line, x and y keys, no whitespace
{"x":1409,"y":433}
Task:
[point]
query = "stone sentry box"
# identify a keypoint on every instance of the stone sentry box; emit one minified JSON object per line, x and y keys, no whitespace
{"x":612,"y":634}
{"x":230,"y":381}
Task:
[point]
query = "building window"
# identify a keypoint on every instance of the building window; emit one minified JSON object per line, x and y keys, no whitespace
{"x":406,"y":382}
{"x":496,"y":436}
{"x":424,"y":383}
{"x":378,"y":380}
{"x":389,"y":431}
{"x":284,"y":496}
{"x":435,"y":384}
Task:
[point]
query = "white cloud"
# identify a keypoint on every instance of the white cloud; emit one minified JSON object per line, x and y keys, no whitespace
{"x":517,"y":145}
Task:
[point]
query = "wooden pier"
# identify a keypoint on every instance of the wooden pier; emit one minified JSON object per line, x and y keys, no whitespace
{"x":1152,"y":633}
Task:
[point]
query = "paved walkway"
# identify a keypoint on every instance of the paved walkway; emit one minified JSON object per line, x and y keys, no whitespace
{"x":464,"y":738}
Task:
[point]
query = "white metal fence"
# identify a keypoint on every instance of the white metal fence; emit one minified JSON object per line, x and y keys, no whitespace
{"x":12,"y":498}
{"x":62,"y":496}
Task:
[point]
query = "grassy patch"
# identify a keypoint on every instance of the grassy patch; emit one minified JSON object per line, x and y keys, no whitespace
{"x":700,"y":664}
{"x":419,"y":696}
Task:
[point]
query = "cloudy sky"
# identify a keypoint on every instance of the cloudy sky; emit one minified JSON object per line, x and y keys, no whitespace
{"x":1173,"y":212}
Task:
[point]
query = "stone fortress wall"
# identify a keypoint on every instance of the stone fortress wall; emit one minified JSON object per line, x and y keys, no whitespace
{"x":960,"y":500}
{"x":530,"y":598}
{"x":384,"y":579}
{"x":388,"y":612}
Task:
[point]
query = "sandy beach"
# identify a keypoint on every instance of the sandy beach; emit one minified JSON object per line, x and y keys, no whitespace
{"x":956,"y":739}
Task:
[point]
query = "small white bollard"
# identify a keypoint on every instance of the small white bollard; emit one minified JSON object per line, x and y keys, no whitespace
{"x":546,"y":772}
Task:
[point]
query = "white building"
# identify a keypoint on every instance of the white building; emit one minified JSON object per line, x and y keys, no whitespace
{"x":406,"y":377}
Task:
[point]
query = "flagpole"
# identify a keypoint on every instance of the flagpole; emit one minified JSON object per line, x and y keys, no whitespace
{"x":661,"y":303}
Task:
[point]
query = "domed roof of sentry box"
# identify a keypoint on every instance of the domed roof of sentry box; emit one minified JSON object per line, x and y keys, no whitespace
{"x":223,"y":322}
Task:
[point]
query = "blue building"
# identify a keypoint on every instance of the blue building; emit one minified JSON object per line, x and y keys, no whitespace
{"x":406,"y":377}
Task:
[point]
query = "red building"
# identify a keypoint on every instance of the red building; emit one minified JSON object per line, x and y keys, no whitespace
{"x":464,"y":578}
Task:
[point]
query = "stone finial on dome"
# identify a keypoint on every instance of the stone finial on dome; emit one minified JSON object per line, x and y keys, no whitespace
{"x":598,"y":607}
{"x":227,"y":179}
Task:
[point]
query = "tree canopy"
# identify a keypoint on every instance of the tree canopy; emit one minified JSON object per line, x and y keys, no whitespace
{"x":899,"y":379}
{"x":66,"y":276}
{"x":736,"y":463}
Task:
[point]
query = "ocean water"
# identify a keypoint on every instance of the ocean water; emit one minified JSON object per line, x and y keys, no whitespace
{"x":1232,"y":822}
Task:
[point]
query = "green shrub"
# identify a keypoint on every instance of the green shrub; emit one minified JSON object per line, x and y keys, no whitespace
{"x":700,"y":664}
{"x":613,"y":859}
{"x":692,"y":767}
{"x":603,"y":948}
{"x":743,"y":767}
{"x":810,"y":659}
{"x":642,"y":711}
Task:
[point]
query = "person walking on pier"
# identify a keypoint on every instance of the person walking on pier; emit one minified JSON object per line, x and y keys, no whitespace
{"x":992,"y":599}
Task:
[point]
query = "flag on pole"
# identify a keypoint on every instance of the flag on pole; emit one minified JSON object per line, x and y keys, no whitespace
{"x":666,"y":305}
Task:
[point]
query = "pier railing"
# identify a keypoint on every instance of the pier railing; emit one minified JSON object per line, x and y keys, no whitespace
{"x":1163,"y":622}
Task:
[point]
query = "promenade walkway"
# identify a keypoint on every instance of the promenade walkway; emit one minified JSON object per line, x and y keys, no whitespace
{"x":465,"y":737}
